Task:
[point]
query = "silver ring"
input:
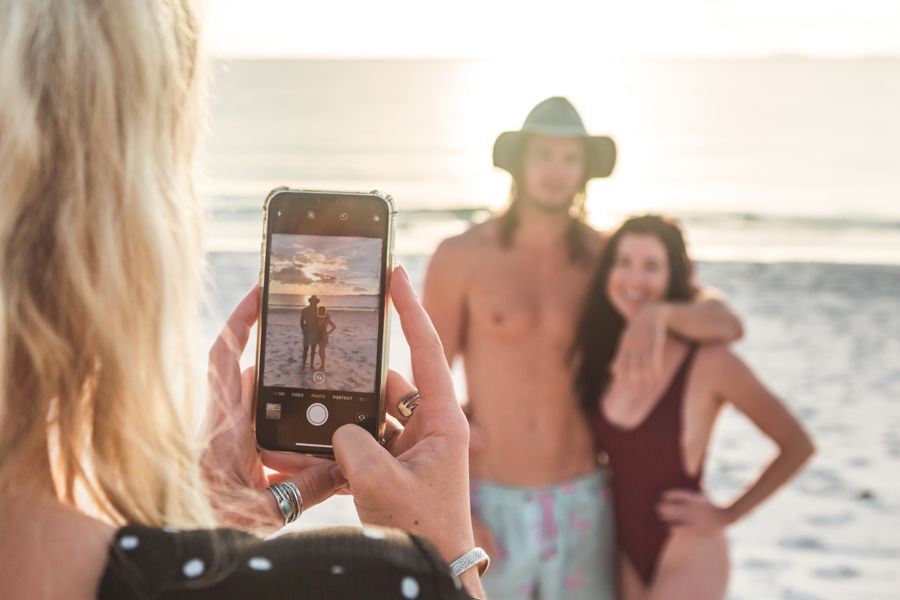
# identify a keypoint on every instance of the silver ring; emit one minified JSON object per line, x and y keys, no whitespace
{"x":386,"y":440}
{"x":408,"y":404}
{"x":474,"y":557}
{"x":288,"y":499}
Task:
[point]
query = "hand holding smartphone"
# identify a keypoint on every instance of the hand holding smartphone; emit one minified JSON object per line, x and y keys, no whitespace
{"x":323,"y":330}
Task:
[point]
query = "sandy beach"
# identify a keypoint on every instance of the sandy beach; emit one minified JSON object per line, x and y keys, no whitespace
{"x":826,"y":338}
{"x":350,"y":355}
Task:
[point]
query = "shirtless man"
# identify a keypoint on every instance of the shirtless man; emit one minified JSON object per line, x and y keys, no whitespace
{"x":310,"y":330}
{"x":505,"y":296}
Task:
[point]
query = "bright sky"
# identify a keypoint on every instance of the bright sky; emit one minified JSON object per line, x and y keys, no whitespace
{"x":551,"y":28}
{"x":327,"y":265}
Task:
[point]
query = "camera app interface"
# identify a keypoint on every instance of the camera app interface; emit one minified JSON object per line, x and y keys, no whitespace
{"x":321,"y":339}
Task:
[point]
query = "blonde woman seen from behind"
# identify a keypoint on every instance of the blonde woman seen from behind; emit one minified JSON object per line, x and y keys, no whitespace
{"x":105,"y":488}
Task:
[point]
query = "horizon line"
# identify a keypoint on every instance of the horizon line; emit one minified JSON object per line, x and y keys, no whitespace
{"x":611,"y":58}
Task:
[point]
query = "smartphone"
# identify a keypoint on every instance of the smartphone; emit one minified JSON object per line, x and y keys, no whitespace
{"x":322,"y":342}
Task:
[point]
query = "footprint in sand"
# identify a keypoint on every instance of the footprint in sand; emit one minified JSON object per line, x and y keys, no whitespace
{"x":760,"y":564}
{"x":831,"y":520}
{"x":837,"y":572}
{"x":802,"y":543}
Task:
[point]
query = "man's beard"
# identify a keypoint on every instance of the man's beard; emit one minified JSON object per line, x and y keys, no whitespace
{"x":550,"y":209}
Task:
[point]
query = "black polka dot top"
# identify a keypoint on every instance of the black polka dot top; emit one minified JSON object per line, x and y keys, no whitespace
{"x":345,"y":563}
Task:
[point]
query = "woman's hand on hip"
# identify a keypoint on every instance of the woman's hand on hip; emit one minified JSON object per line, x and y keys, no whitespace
{"x":687,"y":510}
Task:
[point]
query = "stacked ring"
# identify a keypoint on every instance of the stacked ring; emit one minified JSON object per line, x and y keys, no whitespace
{"x":289,"y":500}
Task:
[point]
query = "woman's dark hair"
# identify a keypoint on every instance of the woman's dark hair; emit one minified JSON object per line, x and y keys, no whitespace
{"x":600,"y":325}
{"x":576,"y":234}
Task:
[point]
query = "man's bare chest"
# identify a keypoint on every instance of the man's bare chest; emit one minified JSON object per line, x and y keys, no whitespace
{"x":518,"y":299}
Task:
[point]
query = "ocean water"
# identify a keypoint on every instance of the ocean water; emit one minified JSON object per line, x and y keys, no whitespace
{"x":332,"y":302}
{"x":780,"y":159}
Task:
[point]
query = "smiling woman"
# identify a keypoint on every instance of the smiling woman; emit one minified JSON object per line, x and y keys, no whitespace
{"x":655,"y":430}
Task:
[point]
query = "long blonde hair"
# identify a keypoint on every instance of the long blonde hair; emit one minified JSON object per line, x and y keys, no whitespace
{"x":101,"y":253}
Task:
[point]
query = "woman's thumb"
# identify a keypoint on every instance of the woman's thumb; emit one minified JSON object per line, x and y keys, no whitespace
{"x":360,"y":457}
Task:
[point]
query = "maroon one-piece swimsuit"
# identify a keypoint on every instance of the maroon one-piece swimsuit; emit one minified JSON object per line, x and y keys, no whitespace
{"x":646,"y":461}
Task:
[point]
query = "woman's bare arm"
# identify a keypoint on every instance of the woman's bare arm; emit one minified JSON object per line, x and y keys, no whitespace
{"x":734,"y":382}
{"x":737,"y":384}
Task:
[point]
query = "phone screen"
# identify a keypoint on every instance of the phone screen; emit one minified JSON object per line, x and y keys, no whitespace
{"x":322,"y":329}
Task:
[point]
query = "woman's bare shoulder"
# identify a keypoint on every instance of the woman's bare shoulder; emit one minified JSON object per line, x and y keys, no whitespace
{"x":718,"y":368}
{"x":716,"y":355}
{"x":715,"y":362}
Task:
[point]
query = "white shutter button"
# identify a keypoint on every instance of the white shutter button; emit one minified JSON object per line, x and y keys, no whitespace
{"x":317,"y":414}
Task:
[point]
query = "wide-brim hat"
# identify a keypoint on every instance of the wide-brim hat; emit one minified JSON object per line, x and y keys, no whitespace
{"x":312,"y":299}
{"x":556,"y":117}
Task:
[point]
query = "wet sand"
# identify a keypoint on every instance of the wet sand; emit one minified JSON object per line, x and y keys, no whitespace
{"x":350,"y":355}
